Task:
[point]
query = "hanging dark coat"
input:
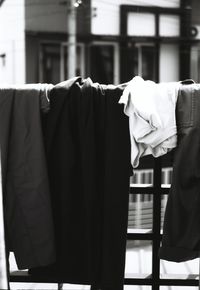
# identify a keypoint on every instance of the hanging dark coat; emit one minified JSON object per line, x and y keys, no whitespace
{"x":88,"y":154}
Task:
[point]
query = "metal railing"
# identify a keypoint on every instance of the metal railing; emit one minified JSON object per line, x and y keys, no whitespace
{"x":155,"y":192}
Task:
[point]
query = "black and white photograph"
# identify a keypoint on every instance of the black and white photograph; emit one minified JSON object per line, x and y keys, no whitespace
{"x":99,"y":145}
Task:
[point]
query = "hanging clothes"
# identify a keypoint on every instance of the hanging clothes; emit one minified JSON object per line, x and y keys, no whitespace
{"x":88,"y":155}
{"x":3,"y":262}
{"x":181,"y":230}
{"x":28,"y":218}
{"x":152,"y":122}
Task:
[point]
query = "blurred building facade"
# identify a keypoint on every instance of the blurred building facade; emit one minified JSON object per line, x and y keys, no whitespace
{"x":116,"y":39}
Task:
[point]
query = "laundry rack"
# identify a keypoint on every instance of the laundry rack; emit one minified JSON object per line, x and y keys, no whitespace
{"x":154,"y":280}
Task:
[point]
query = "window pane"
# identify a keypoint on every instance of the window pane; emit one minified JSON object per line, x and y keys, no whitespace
{"x":148,"y":62}
{"x":138,"y":258}
{"x":102,"y":63}
{"x":141,"y":60}
{"x":131,"y":60}
{"x":169,"y":25}
{"x":141,"y":24}
{"x":169,"y":63}
{"x":51,"y":63}
{"x":195,"y":63}
{"x":79,"y":62}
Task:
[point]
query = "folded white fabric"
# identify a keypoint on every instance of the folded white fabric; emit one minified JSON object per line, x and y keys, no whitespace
{"x":152,"y":121}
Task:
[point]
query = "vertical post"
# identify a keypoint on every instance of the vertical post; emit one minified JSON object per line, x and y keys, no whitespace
{"x":156,"y":222}
{"x":157,"y":47}
{"x":71,"y":19}
{"x":185,"y":47}
{"x":138,"y":207}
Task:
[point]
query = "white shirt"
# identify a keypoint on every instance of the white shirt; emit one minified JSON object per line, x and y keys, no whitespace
{"x":152,"y":121}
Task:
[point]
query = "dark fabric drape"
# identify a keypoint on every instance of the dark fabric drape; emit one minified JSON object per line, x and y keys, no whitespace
{"x":26,"y":198}
{"x":88,"y":155}
{"x":181,"y":233}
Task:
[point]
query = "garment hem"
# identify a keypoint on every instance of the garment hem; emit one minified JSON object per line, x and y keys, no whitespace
{"x":178,"y":254}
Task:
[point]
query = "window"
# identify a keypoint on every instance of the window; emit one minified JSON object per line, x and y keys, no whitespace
{"x":54,"y":65}
{"x":153,"y":49}
{"x":141,"y":24}
{"x":50,"y":66}
{"x":169,"y":25}
{"x":104,"y":62}
{"x":80,"y":61}
{"x":141,"y":60}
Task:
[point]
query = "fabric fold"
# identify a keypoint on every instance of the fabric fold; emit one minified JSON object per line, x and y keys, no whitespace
{"x":3,"y":263}
{"x":88,"y":155}
{"x":151,"y":111}
{"x":27,"y":206}
{"x":181,"y":234}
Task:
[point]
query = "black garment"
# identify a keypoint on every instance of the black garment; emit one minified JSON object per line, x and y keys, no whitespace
{"x":88,"y":153}
{"x":27,"y":208}
{"x":181,"y":232}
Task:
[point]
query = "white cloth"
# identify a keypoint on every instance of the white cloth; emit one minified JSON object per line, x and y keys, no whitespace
{"x":152,"y":121}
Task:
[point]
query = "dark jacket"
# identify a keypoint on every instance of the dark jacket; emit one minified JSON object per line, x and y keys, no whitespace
{"x":88,"y":155}
{"x":27,"y":208}
{"x":181,"y":232}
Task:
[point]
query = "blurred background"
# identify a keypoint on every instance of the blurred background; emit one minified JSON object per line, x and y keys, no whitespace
{"x":109,"y":41}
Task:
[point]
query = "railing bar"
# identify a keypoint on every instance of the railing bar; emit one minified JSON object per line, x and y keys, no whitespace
{"x":168,"y":282}
{"x":127,"y":281}
{"x":147,"y":190}
{"x":156,"y":222}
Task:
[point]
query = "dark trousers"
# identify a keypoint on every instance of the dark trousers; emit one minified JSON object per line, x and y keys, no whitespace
{"x":181,"y":232}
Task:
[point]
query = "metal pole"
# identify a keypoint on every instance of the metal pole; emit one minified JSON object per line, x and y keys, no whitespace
{"x":71,"y":68}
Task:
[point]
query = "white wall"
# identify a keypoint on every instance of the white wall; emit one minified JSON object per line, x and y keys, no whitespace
{"x":12,"y":42}
{"x":46,"y":16}
{"x":107,"y":19}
